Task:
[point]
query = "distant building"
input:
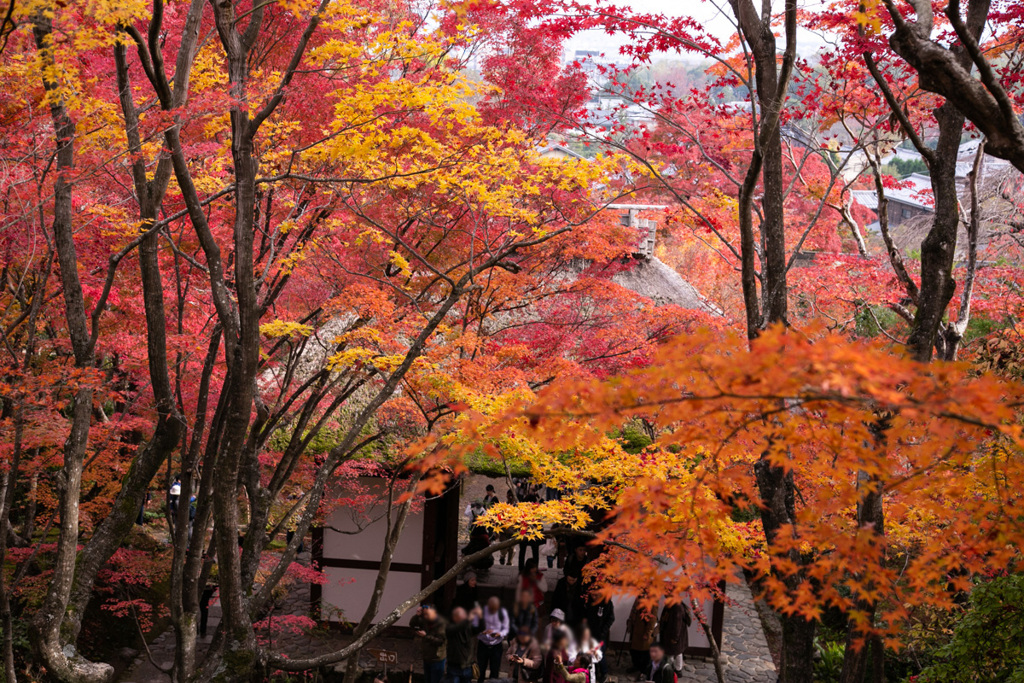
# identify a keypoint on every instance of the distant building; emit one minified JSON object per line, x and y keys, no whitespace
{"x":591,"y":61}
{"x":915,"y":199}
{"x":559,"y":151}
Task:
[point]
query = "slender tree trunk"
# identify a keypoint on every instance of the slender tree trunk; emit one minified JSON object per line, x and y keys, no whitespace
{"x":860,"y":643}
{"x":716,"y":653}
{"x":7,"y":484}
{"x":775,"y":295}
{"x":775,"y":484}
{"x":10,"y":476}
{"x":846,"y":213}
{"x":952,"y":333}
{"x":392,"y":536}
{"x":238,"y":660}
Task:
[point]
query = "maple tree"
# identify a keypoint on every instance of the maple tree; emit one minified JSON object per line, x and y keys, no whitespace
{"x":849,"y":422}
{"x":300,"y":258}
{"x":253,"y":244}
{"x":690,"y":141}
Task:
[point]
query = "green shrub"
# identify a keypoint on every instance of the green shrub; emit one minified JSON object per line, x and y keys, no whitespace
{"x":829,"y":664}
{"x":988,"y":640}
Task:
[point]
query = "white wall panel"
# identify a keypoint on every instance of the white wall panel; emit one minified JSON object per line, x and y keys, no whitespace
{"x":368,"y":544}
{"x":349,"y":590}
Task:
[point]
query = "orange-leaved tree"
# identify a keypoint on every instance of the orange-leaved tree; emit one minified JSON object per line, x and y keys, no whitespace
{"x":854,"y":426}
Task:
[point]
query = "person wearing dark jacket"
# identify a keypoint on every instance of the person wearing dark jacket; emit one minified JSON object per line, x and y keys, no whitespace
{"x":431,"y":629}
{"x":661,"y":670}
{"x":568,"y":597}
{"x":467,"y":593}
{"x":479,"y":538}
{"x":490,"y":496}
{"x":577,"y":560}
{"x":461,"y":634}
{"x":525,"y":613}
{"x":600,"y":617}
{"x":675,"y":620}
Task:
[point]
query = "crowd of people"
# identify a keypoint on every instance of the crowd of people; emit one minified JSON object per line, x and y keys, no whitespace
{"x":556,"y":636}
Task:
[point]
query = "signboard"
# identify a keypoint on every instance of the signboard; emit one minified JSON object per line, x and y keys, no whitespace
{"x":384,"y":657}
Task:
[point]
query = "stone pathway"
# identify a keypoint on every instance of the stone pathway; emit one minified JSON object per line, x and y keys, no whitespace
{"x":745,"y":654}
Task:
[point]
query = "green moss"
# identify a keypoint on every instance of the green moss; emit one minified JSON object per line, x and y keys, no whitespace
{"x":479,"y":463}
{"x":633,"y":438}
{"x":237,"y":665}
{"x":873,"y":320}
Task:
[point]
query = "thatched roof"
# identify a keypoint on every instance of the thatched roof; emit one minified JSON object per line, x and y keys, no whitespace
{"x":653,"y":279}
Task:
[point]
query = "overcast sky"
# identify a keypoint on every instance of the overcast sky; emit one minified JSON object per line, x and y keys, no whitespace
{"x":705,"y":11}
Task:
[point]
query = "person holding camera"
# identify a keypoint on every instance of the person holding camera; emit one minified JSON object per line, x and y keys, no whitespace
{"x":496,"y":626}
{"x":524,"y":656}
{"x":431,"y":629}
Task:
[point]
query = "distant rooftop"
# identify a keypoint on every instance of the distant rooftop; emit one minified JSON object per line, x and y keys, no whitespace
{"x":918,"y":192}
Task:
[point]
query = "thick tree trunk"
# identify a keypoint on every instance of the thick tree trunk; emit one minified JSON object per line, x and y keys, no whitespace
{"x":48,"y":640}
{"x":948,"y":72}
{"x":912,"y":41}
{"x":779,"y":510}
{"x":939,"y":246}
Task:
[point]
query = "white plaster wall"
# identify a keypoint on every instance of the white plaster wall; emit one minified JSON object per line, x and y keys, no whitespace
{"x":349,"y":590}
{"x":368,"y":544}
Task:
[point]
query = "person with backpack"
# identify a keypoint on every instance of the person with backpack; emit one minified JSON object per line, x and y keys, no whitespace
{"x":496,"y":627}
{"x":524,"y":657}
{"x":173,"y":495}
{"x":661,"y":669}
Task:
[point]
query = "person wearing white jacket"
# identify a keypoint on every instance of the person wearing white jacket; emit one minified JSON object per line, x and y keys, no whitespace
{"x":556,"y":622}
{"x":589,"y":645}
